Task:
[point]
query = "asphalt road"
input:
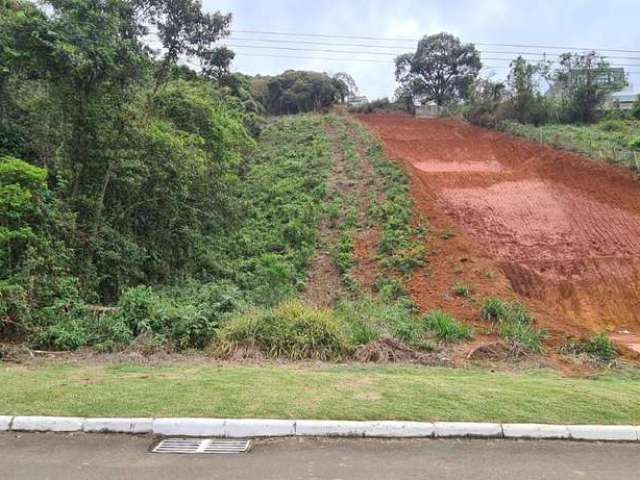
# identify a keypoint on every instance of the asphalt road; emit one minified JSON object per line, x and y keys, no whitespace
{"x":88,"y":457}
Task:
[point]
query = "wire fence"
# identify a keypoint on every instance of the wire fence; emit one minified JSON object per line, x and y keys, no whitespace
{"x":571,"y":142}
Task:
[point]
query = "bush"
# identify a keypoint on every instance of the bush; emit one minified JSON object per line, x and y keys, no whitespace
{"x":634,"y":143}
{"x":522,"y":336}
{"x":291,"y":330}
{"x":514,"y":324}
{"x":612,"y":126}
{"x":598,"y":349}
{"x":446,"y":328}
{"x":635,"y":111}
{"x":187,"y":318}
{"x":494,"y":309}
{"x":462,"y":290}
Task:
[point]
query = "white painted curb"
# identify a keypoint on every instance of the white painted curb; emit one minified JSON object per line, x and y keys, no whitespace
{"x":468,"y":429}
{"x":5,"y":423}
{"x":534,"y":430}
{"x":189,"y":427}
{"x":47,"y":424}
{"x":118,"y":425}
{"x":249,"y":428}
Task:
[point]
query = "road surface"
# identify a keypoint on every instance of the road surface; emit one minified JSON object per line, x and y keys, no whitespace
{"x":97,"y":456}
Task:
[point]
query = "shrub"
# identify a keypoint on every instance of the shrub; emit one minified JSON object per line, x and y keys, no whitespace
{"x":522,"y":336}
{"x":462,"y":290}
{"x":494,"y":309}
{"x":446,"y":327}
{"x":291,"y":330}
{"x":68,"y":334}
{"x":514,"y":324}
{"x":635,"y":111}
{"x":634,"y":143}
{"x":598,"y":349}
{"x":612,"y":126}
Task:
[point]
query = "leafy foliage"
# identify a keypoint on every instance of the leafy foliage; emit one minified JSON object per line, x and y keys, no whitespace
{"x":301,"y":91}
{"x":292,"y":330}
{"x":441,"y":70}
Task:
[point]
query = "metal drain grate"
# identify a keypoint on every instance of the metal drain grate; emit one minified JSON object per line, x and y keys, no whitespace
{"x":201,"y":445}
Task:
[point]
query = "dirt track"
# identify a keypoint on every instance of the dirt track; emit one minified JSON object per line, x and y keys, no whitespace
{"x":562,"y":231}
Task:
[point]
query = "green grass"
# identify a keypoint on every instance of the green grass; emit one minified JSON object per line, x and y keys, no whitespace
{"x":614,"y":141}
{"x":322,"y":392}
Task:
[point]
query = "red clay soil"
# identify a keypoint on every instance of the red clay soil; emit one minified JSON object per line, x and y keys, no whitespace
{"x":558,"y":230}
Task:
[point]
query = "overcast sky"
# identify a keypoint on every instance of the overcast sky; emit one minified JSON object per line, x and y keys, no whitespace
{"x":575,"y":23}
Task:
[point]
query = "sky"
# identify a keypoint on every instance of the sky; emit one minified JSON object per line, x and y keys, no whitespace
{"x":574,"y":23}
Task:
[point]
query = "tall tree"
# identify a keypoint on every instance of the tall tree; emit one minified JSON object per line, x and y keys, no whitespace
{"x":584,"y":81}
{"x":441,"y":70}
{"x":524,"y":83}
{"x":186,"y":31}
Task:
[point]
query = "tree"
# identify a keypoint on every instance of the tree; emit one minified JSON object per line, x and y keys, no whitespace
{"x":635,"y":111}
{"x":185,"y":30}
{"x":299,"y":91}
{"x":441,"y":70}
{"x":584,"y":81}
{"x":346,"y":85}
{"x":527,"y":103}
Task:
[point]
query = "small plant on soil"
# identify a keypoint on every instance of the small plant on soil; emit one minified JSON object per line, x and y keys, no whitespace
{"x":333,"y":211}
{"x":514,"y":324}
{"x":446,"y":328}
{"x":598,"y":349}
{"x":493,"y":309}
{"x":523,"y":337}
{"x":447,"y":234}
{"x":462,"y":290}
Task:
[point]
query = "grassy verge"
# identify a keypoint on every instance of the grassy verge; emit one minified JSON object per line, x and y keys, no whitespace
{"x":322,"y":392}
{"x":613,"y":141}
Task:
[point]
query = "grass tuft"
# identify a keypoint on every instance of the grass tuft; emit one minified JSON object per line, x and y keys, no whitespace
{"x":446,"y":328}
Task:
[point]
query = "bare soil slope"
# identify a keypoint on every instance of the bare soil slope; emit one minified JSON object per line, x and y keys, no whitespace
{"x":562,"y":230}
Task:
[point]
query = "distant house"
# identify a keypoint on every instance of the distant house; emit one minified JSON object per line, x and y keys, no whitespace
{"x":357,"y":100}
{"x":613,"y":76}
{"x":622,"y":100}
{"x":428,"y":110}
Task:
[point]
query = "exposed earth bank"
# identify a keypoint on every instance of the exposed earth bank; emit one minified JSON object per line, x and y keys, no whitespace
{"x":516,"y":218}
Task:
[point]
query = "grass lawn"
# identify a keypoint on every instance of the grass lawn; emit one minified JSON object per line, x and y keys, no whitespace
{"x":317,"y":392}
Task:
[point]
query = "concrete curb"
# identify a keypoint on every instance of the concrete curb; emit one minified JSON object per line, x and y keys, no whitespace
{"x":250,"y":428}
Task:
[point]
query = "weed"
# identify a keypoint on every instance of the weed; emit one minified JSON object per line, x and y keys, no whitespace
{"x":522,"y":336}
{"x":446,"y":328}
{"x":514,"y":324}
{"x":494,"y":309}
{"x":463,"y":290}
{"x":447,"y":235}
{"x":597,"y":349}
{"x":291,"y":330}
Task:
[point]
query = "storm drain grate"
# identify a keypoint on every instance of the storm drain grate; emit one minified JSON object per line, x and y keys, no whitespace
{"x":201,"y":445}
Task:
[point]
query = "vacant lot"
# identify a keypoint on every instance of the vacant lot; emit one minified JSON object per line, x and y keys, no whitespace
{"x":562,"y":231}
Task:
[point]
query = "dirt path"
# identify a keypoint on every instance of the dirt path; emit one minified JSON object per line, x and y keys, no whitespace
{"x":559,"y":230}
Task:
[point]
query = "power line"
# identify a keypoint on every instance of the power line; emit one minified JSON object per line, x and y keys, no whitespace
{"x":415,"y":40}
{"x":384,"y":62}
{"x":368,"y":45}
{"x":361,"y":52}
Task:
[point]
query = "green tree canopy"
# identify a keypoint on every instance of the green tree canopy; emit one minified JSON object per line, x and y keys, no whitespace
{"x":441,"y":70}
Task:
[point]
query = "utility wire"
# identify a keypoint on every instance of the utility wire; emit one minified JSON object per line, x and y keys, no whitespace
{"x":368,"y":45}
{"x":361,"y":52}
{"x":415,"y":40}
{"x":384,"y":62}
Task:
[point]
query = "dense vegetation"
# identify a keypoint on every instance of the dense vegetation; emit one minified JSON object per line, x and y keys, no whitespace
{"x":300,"y":91}
{"x":121,"y":171}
